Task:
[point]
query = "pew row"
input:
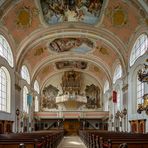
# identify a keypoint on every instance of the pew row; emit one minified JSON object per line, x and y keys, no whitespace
{"x":49,"y":139}
{"x":104,"y":139}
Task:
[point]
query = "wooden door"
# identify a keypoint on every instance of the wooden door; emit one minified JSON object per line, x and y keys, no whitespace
{"x":71,"y":127}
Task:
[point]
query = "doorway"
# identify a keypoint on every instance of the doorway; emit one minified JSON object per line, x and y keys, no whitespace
{"x":71,"y":127}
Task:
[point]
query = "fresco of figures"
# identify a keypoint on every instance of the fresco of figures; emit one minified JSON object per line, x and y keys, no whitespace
{"x":71,"y":64}
{"x":49,"y":95}
{"x":92,"y":93}
{"x":87,"y":11}
{"x":71,"y":44}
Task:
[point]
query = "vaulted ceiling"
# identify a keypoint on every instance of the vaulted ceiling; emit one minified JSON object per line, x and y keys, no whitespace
{"x":51,"y":38}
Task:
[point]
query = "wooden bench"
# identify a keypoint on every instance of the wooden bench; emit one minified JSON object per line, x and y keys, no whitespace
{"x":48,"y":139}
{"x":92,"y":139}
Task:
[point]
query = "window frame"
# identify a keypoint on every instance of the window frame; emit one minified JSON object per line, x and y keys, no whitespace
{"x":117,"y":73}
{"x":6,"y":51}
{"x":25,"y":74}
{"x":7,"y":80}
{"x":137,"y":50}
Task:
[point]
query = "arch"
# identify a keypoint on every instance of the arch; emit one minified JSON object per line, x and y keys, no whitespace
{"x":105,"y":68}
{"x":25,"y":74}
{"x":5,"y":91}
{"x":5,"y":51}
{"x":96,"y":34}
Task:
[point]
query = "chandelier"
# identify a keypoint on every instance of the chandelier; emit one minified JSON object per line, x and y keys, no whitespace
{"x":143,"y":77}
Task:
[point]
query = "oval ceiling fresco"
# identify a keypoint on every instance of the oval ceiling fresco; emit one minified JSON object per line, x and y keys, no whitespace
{"x":71,"y":64}
{"x":71,"y":44}
{"x":87,"y":11}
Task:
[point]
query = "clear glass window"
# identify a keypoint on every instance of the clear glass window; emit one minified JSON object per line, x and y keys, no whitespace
{"x":25,"y":74}
{"x":36,"y":86}
{"x":139,"y":48}
{"x":5,"y":50}
{"x":117,"y":73}
{"x":25,"y":93}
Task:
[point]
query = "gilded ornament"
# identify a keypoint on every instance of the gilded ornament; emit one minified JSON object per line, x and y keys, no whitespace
{"x":119,"y":17}
{"x":25,"y":16}
{"x":96,"y":69}
{"x":39,"y":51}
{"x":103,"y":51}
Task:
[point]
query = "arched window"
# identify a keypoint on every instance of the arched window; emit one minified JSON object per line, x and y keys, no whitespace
{"x":5,"y":91}
{"x":118,"y":99}
{"x":106,"y":102}
{"x":25,"y":74}
{"x":25,"y":93}
{"x":36,"y":86}
{"x":5,"y":50}
{"x":140,"y":92}
{"x":139,"y":48}
{"x":117,"y":73}
{"x":36,"y":103}
{"x":106,"y":86}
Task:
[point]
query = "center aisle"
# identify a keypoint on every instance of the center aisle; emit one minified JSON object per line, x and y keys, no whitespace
{"x":71,"y":142}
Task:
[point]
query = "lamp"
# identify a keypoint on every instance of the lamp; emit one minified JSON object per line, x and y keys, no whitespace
{"x":143,"y":77}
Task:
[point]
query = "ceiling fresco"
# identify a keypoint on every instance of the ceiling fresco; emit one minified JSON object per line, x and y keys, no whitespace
{"x":81,"y":45}
{"x":87,"y":11}
{"x":71,"y":64}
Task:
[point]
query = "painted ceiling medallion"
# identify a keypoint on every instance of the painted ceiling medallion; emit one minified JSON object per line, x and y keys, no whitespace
{"x":103,"y":51}
{"x":39,"y":51}
{"x":119,"y":17}
{"x":82,"y":45}
{"x":25,"y":15}
{"x":71,"y":64}
{"x":87,"y":11}
{"x":96,"y":69}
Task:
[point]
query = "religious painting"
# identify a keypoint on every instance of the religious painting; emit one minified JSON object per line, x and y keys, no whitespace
{"x":71,"y":64}
{"x":49,"y":97}
{"x":92,"y":93}
{"x":82,"y":45}
{"x":86,"y":11}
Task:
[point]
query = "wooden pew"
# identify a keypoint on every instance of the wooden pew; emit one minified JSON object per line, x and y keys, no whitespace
{"x":92,"y":139}
{"x":48,"y":139}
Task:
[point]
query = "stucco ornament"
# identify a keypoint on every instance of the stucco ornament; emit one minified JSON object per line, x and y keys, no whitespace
{"x":119,"y":17}
{"x":25,"y":16}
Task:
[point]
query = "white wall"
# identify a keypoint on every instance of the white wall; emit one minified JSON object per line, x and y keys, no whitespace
{"x":132,"y":102}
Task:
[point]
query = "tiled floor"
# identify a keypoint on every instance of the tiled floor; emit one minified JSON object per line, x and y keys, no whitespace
{"x":71,"y":142}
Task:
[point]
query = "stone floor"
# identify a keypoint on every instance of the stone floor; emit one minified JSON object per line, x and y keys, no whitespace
{"x":71,"y":142}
